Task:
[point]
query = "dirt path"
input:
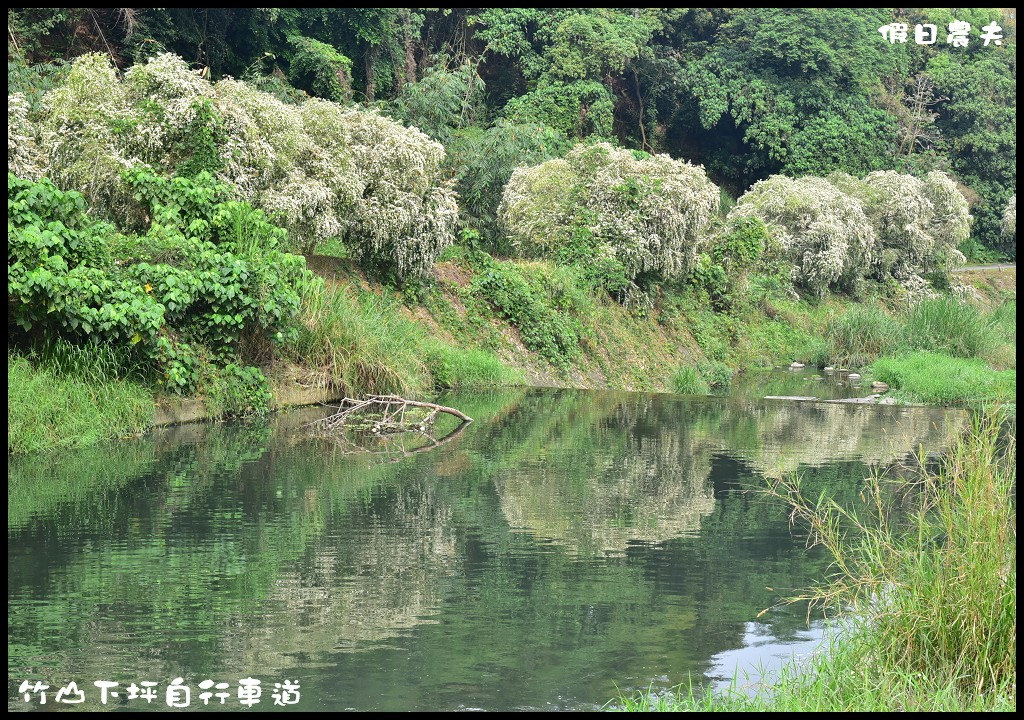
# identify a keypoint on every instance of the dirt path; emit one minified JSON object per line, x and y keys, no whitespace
{"x":973,"y":268}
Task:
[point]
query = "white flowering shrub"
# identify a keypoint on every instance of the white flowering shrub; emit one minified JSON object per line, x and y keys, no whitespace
{"x":822,"y":230}
{"x":87,"y":132}
{"x":951,"y":222}
{"x":1009,"y":225}
{"x":403,"y":217}
{"x":23,"y":156}
{"x":918,"y":222}
{"x":649,"y":213}
{"x":321,"y":169}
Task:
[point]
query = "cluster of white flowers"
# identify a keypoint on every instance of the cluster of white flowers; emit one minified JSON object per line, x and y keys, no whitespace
{"x":322,"y":169}
{"x":951,"y":219}
{"x":651,"y":213}
{"x":23,"y":156}
{"x":1009,"y":217}
{"x":821,"y":229}
{"x":842,"y":229}
{"x":87,"y":132}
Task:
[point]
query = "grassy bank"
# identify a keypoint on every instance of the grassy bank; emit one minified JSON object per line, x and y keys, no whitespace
{"x":928,"y":572}
{"x":483,"y":322}
{"x":72,"y":398}
{"x":938,"y":379}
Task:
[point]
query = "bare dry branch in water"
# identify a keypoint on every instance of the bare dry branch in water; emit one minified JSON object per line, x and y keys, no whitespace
{"x":387,"y":417}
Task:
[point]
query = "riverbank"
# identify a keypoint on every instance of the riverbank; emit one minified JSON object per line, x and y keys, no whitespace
{"x":483,"y":322}
{"x":944,"y":637}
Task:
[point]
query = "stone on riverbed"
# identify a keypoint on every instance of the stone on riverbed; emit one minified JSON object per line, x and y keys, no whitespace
{"x":796,"y":365}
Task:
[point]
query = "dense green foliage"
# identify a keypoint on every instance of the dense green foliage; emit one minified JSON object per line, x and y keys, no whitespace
{"x":205,"y":284}
{"x":747,"y":92}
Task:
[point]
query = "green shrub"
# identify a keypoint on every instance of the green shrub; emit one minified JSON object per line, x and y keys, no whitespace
{"x":237,"y":391}
{"x":207,"y":273}
{"x":556,"y":335}
{"x":320,"y":69}
{"x":715,"y":372}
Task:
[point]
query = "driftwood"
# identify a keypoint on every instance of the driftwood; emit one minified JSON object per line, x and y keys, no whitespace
{"x":390,"y":419}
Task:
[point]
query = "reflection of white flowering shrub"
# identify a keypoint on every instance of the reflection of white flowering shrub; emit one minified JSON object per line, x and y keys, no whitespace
{"x":651,"y":213}
{"x":1009,"y":217}
{"x":324,"y":170}
{"x":821,"y":229}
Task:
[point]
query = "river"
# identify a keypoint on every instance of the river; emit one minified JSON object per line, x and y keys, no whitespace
{"x":568,"y":545}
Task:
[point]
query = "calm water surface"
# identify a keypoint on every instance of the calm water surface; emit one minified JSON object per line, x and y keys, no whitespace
{"x":567,"y":545}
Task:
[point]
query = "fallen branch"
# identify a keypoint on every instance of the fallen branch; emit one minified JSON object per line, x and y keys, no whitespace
{"x":386,"y":414}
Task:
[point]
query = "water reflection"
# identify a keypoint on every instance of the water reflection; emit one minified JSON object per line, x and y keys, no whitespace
{"x":566,"y":544}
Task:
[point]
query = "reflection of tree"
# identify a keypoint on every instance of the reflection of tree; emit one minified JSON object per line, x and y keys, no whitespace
{"x":379,"y":582}
{"x":640,"y":463}
{"x":778,"y":437}
{"x":652,"y":486}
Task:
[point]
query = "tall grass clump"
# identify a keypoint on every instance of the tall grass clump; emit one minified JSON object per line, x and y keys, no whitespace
{"x":924,"y":575}
{"x":947,"y":325}
{"x":360,"y":344}
{"x":932,"y":586}
{"x":68,"y":397}
{"x":1003,"y":321}
{"x":688,"y":381}
{"x":363,"y":344}
{"x":861,"y":334}
{"x":457,"y":367}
